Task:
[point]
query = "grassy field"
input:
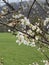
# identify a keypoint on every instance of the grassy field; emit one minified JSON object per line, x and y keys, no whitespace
{"x":13,"y":54}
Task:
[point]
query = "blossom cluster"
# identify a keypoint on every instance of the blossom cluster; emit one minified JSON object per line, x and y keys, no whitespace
{"x":4,"y":10}
{"x":46,"y":24}
{"x":29,"y":29}
{"x":22,"y":38}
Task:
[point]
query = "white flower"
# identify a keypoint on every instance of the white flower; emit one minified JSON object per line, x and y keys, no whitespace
{"x":37,"y":63}
{"x":31,"y":25}
{"x":37,"y":24}
{"x":25,"y":18}
{"x":9,"y":30}
{"x":46,"y":21}
{"x":38,"y":19}
{"x":27,"y":22}
{"x":33,"y":40}
{"x":32,"y":44}
{"x":17,"y":41}
{"x":22,"y":21}
{"x":2,"y":12}
{"x":33,"y":63}
{"x":29,"y":32}
{"x":25,"y":42}
{"x":20,"y":15}
{"x":47,"y":26}
{"x":34,"y":27}
{"x":44,"y":61}
{"x":20,"y":33}
{"x":38,"y":30}
{"x":33,"y":33}
{"x":15,"y":16}
{"x":47,"y":12}
{"x":36,"y":37}
{"x":21,"y":36}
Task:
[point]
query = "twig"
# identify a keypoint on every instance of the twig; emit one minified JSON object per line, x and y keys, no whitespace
{"x":31,"y":8}
{"x":8,"y":5}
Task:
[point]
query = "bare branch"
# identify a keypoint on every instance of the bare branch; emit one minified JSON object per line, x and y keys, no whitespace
{"x":8,"y":5}
{"x":31,"y":8}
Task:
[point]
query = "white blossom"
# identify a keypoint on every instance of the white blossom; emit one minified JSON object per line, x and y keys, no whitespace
{"x":29,"y":32}
{"x":34,"y":27}
{"x":38,"y":19}
{"x":35,"y":63}
{"x":22,"y":21}
{"x":37,"y":24}
{"x":27,"y":22}
{"x":2,"y":12}
{"x":32,"y":44}
{"x":43,"y":61}
{"x":20,"y":15}
{"x":33,"y":40}
{"x":36,"y":37}
{"x":46,"y":63}
{"x":9,"y":30}
{"x":46,"y":21}
{"x":38,"y":30}
{"x":15,"y":16}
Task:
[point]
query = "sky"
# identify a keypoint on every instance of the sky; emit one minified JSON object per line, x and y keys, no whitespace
{"x":17,"y":1}
{"x":10,"y":1}
{"x":20,"y":0}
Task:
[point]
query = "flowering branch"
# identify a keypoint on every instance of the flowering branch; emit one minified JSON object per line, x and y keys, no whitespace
{"x":30,"y":36}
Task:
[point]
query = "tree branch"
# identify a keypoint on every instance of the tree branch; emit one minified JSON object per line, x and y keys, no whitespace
{"x":31,"y":8}
{"x":43,"y":41}
{"x":8,"y":5}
